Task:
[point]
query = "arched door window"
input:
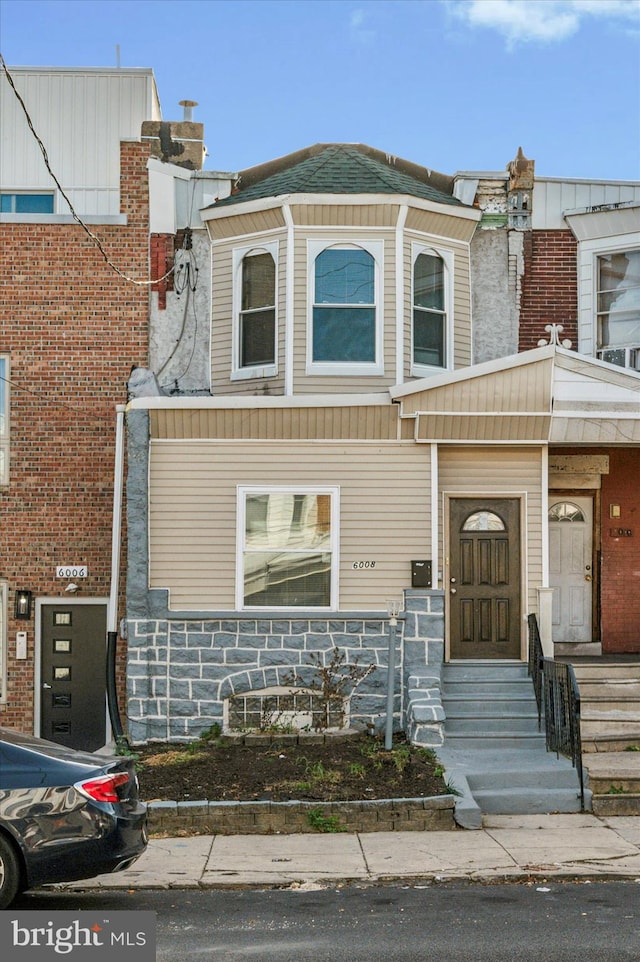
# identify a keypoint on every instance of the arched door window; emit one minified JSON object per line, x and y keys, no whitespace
{"x":483,"y":521}
{"x":566,"y":511}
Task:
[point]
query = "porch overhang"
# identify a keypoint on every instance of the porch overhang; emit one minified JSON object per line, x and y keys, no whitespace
{"x":547,"y":395}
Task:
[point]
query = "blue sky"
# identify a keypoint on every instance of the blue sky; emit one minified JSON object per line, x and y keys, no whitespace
{"x":449,"y":84}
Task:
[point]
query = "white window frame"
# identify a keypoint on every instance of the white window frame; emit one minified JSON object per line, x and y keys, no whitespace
{"x":334,"y":543}
{"x":631,"y":352}
{"x":239,"y":373}
{"x":5,"y":375}
{"x":448,"y":259}
{"x":4,"y":594}
{"x":347,"y":368}
{"x":588,"y":253}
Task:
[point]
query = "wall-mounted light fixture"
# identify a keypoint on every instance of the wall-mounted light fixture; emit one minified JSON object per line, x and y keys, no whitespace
{"x":23,"y":603}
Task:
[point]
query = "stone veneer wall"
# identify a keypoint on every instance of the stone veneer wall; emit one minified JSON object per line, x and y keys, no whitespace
{"x":181,"y":671}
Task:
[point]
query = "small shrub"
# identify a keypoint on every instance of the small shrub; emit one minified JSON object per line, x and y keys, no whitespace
{"x":324,"y":823}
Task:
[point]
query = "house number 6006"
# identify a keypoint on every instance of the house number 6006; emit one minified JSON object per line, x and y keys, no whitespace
{"x":364,"y":564}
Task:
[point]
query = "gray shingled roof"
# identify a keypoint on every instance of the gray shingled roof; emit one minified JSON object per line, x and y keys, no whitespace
{"x":337,"y":169}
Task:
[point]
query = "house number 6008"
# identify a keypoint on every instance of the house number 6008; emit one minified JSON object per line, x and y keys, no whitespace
{"x":364,"y":564}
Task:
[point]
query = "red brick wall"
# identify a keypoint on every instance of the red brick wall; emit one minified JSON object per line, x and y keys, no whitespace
{"x":72,"y":328}
{"x":619,"y":576}
{"x":620,"y":569}
{"x":549,"y":287}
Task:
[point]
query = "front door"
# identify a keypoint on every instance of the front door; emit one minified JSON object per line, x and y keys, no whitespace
{"x":570,"y":568}
{"x":73,"y":671}
{"x":484,"y":578}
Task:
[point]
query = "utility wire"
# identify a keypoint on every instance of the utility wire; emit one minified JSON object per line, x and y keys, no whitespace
{"x":96,"y":240}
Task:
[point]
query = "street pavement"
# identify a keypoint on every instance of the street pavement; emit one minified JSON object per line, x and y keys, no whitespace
{"x":506,"y":848}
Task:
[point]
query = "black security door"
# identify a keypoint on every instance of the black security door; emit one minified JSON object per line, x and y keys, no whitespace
{"x":73,"y":666}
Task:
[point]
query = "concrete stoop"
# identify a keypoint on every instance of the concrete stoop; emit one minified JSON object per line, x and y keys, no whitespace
{"x":614,"y":778}
{"x":493,"y":751}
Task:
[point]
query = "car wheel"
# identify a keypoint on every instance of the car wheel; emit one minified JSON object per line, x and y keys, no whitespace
{"x":9,"y":873}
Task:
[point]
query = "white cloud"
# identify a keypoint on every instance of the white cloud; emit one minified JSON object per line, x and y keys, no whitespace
{"x":542,"y":21}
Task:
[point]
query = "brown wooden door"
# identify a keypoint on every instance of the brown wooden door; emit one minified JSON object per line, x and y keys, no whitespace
{"x":73,"y":675}
{"x":484,"y":578}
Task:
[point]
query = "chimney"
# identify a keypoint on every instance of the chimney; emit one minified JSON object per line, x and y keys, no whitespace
{"x":177,"y":142}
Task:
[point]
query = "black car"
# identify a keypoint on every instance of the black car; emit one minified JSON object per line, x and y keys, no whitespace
{"x":64,"y":815}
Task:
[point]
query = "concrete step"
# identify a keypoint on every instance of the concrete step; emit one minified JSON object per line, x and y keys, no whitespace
{"x":607,"y":806}
{"x":611,"y":743}
{"x":483,"y":671}
{"x":607,"y":671}
{"x":479,"y":739}
{"x":523,"y":802}
{"x":594,"y":724}
{"x":611,"y":772}
{"x":512,"y":781}
{"x":496,"y":724}
{"x":488,"y":689}
{"x":521,"y":704}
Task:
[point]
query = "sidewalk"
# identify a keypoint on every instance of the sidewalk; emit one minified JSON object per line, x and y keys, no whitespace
{"x":508,"y":847}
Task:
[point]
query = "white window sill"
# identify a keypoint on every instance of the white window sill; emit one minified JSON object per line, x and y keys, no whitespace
{"x":247,"y":373}
{"x":345,"y":370}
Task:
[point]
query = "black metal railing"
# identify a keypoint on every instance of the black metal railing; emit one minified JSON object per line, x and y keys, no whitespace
{"x":557,"y":694}
{"x":536,"y":656}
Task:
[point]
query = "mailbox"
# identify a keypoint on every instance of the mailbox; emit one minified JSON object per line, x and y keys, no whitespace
{"x":421,"y":574}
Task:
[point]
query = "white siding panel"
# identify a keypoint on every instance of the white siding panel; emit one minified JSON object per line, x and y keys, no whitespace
{"x":384,"y":513}
{"x":81,"y":116}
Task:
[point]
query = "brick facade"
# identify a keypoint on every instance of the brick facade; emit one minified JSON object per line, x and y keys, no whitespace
{"x":549,"y":287}
{"x":72,"y":328}
{"x":620,"y":565}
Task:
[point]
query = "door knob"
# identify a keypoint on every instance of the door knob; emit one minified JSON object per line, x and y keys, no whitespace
{"x":588,"y":578}
{"x":44,"y":685}
{"x":453,"y":591}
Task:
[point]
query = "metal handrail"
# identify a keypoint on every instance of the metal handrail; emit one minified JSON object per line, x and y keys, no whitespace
{"x":557,"y":694}
{"x":536,"y":656}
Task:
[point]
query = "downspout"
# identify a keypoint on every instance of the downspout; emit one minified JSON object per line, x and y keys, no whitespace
{"x":112,"y":608}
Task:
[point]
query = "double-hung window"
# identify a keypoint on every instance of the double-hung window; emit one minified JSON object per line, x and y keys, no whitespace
{"x":255,"y":311}
{"x":287,"y":540}
{"x":4,"y":420}
{"x":431,"y":322}
{"x":618,"y":308}
{"x":345,"y":308}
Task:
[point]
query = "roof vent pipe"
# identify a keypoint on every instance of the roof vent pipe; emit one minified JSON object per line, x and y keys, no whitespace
{"x":187,"y":109}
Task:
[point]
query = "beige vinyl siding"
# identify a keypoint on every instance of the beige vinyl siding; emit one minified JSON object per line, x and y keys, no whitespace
{"x":497,"y":472}
{"x":345,"y":215}
{"x":371,"y":422}
{"x":384,"y":514}
{"x":347,"y":384}
{"x":449,"y":227}
{"x":221,"y":317}
{"x":489,"y":427}
{"x":222,"y":320}
{"x":244,"y":224}
{"x":525,"y":388}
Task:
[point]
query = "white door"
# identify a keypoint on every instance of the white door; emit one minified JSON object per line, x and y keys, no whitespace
{"x":570,"y":567}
